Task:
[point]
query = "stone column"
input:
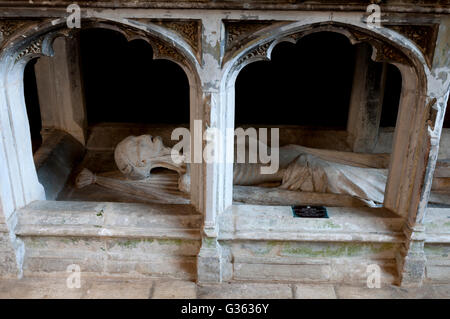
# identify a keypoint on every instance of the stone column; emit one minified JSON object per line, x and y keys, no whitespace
{"x":210,"y":259}
{"x":412,"y":260}
{"x":60,"y":89}
{"x":8,"y":255}
{"x":366,"y":101}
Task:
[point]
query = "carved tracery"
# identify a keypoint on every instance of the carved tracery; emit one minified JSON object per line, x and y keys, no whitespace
{"x":41,"y":45}
{"x":384,"y":51}
{"x":34,"y":48}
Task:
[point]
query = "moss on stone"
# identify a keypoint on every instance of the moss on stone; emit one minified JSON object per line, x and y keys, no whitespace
{"x":130,"y":243}
{"x":343,"y":250}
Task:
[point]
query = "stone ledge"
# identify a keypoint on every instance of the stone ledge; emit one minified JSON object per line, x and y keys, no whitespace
{"x":251,"y":222}
{"x":437,"y":225}
{"x":390,"y":6}
{"x":93,"y":219}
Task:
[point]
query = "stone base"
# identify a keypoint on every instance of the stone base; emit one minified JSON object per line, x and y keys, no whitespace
{"x":438,"y":263}
{"x":310,"y":262}
{"x":8,"y":264}
{"x":412,"y":269}
{"x":146,"y":241}
{"x":437,"y":245}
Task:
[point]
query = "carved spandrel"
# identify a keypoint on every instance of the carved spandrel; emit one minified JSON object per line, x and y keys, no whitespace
{"x":424,"y":36}
{"x":9,"y":26}
{"x":189,"y":29}
{"x":388,"y":53}
{"x":163,"y":50}
{"x":237,"y":30}
{"x":385,"y":52}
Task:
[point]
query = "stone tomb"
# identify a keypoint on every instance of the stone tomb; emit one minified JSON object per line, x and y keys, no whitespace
{"x":220,"y":231}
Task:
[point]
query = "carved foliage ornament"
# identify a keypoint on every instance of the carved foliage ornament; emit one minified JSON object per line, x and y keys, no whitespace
{"x":237,"y":30}
{"x":189,"y":30}
{"x":385,"y":52}
{"x":163,"y":50}
{"x":35,"y":47}
{"x":258,"y":52}
{"x":9,"y":26}
{"x":424,"y":36}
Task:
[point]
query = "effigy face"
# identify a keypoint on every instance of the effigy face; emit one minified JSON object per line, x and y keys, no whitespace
{"x":137,"y":156}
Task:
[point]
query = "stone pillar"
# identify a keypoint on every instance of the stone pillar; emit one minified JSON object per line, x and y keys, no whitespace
{"x":60,"y":89}
{"x":210,"y":260}
{"x":366,"y":101}
{"x":413,"y":262}
{"x":8,"y":259}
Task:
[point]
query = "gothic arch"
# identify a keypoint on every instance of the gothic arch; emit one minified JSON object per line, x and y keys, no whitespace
{"x":23,"y":41}
{"x":414,"y":149}
{"x":388,"y":46}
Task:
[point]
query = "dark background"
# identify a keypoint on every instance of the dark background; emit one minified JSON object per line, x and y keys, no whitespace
{"x":308,"y":83}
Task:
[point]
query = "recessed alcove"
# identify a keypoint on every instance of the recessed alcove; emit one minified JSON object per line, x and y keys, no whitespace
{"x":322,"y":92}
{"x":32,"y":103}
{"x":305,"y":90}
{"x":114,"y":89}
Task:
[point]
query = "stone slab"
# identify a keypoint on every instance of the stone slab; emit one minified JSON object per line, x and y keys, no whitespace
{"x":174,"y":290}
{"x":245,"y":291}
{"x":305,"y":291}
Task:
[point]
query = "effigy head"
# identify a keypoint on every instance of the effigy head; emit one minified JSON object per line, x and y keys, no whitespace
{"x":136,"y":156}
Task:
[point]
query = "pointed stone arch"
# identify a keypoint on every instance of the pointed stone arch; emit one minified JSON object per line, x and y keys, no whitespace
{"x":24,"y":40}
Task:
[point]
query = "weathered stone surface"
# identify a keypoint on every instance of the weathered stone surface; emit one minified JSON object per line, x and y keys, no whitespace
{"x":209,"y":264}
{"x":174,"y":290}
{"x":314,"y":292}
{"x":282,"y":272}
{"x":8,"y":263}
{"x":141,"y":288}
{"x":245,"y":291}
{"x":108,"y":220}
{"x":366,"y":101}
{"x":117,"y":289}
{"x":385,"y":292}
{"x":37,"y":288}
{"x":60,"y":90}
{"x":101,"y":239}
{"x":159,"y":266}
{"x":414,"y":148}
